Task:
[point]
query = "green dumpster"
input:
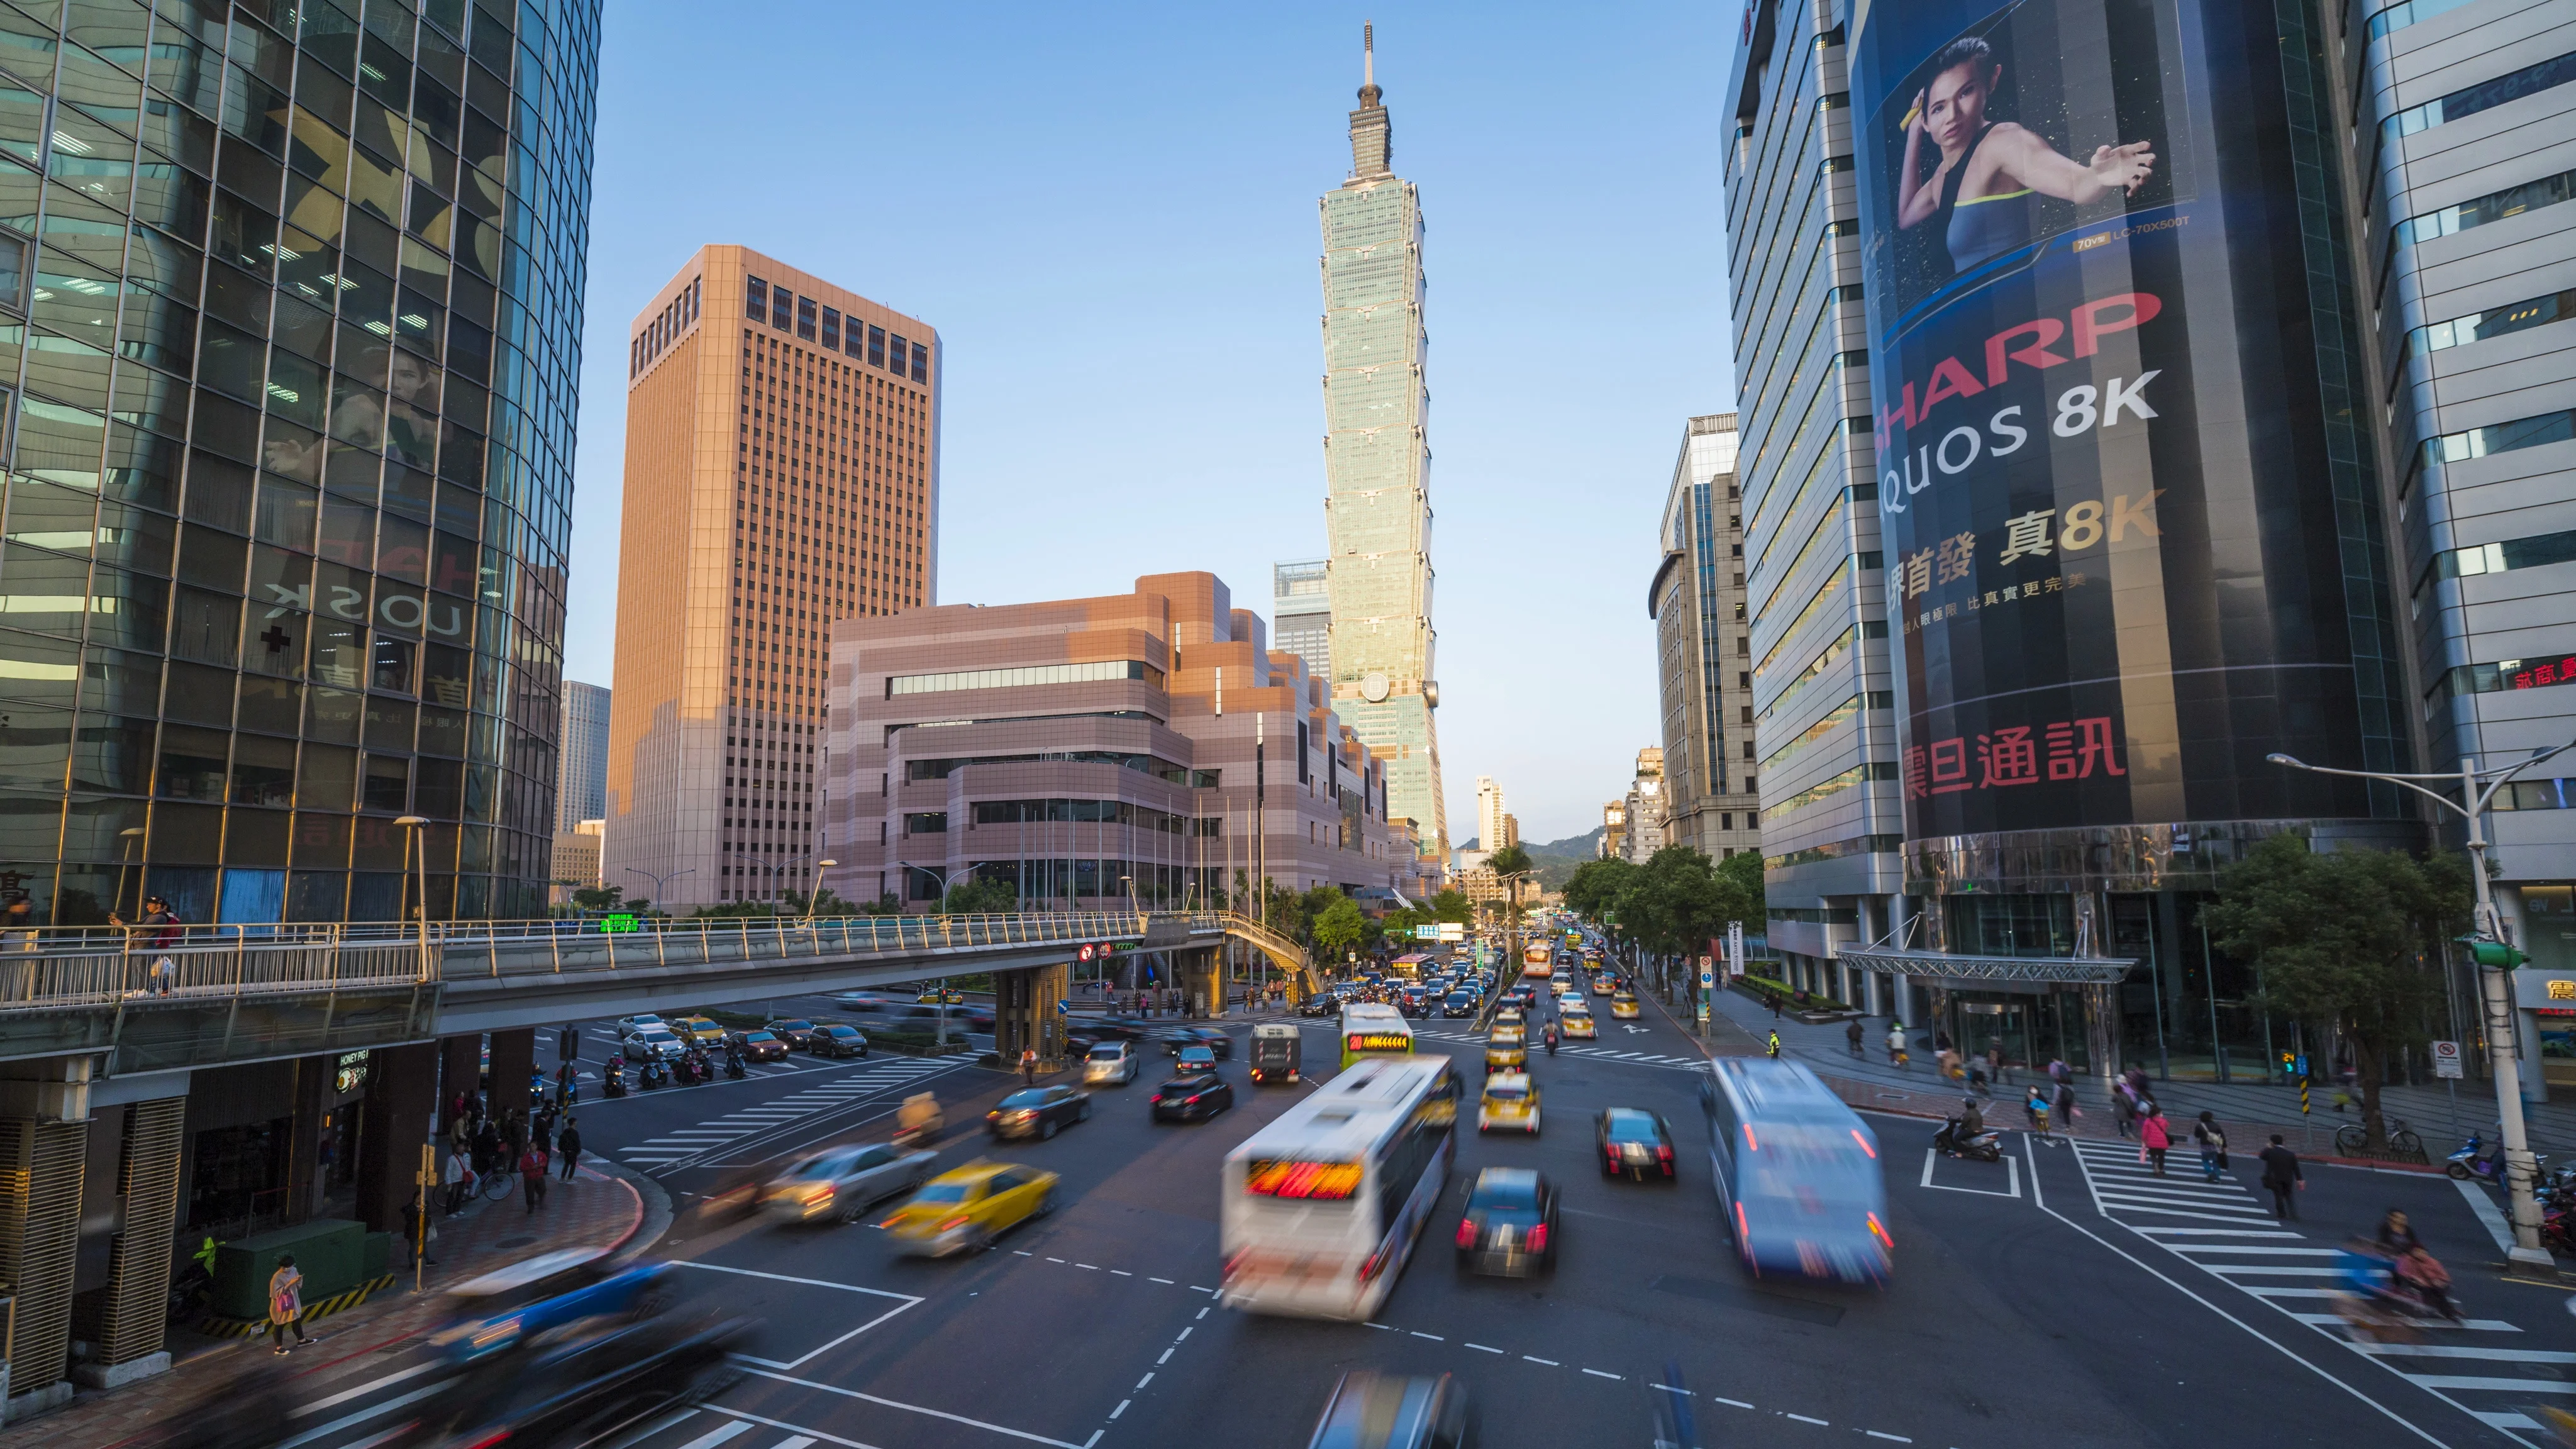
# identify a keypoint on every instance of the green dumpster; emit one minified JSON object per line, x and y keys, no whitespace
{"x":330,"y":1252}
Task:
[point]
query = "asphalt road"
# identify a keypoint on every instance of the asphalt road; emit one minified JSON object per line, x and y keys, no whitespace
{"x":2064,"y":1296}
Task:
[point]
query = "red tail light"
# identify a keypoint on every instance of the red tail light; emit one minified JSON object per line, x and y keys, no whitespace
{"x":1466,"y":1233}
{"x":1538,"y":1238}
{"x":1611,"y":1153}
{"x":1664,"y":1155}
{"x":488,"y":1440}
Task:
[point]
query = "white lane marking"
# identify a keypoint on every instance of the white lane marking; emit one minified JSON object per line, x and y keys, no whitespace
{"x":1732,"y":1403}
{"x":718,"y":1435}
{"x":925,"y":1412}
{"x":793,"y":1441}
{"x":907,"y":1301}
{"x":2464,"y":1381}
{"x":1551,"y":1363}
{"x":2250,"y":1248}
{"x":1120,"y":1273}
{"x":1480,"y":1348}
{"x":2215,"y":1233}
{"x":1164,"y":1281}
{"x":1803,"y":1419}
{"x":1122,"y":1408}
{"x":2453,"y":1350}
{"x":1598,"y":1374}
{"x":2143,"y":1266}
{"x":1435,"y":1338}
{"x":1166,"y":1358}
{"x":1086,"y":1265}
{"x":2488,"y":1218}
{"x":345,"y":1421}
{"x":369,"y":1387}
{"x":1892,"y":1438}
{"x":1141,"y":1383}
{"x":803,"y":1436}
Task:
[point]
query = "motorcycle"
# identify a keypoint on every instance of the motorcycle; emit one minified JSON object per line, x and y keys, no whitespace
{"x":2473,"y":1164}
{"x":917,"y":1122}
{"x":655,"y":1074}
{"x":616,"y":1080}
{"x":1984,"y":1146}
{"x":734,"y":1068}
{"x":2375,"y":1304}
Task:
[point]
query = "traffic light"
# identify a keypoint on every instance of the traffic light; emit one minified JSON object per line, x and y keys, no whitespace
{"x":2494,"y":953}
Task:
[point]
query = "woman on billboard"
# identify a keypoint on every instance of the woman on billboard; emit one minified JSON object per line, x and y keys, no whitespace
{"x":1980,"y":193}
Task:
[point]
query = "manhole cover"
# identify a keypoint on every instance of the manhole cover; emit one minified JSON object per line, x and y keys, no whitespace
{"x":518,"y":1242}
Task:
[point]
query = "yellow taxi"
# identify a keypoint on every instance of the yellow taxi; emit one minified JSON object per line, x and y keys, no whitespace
{"x":1514,"y":1032}
{"x":1506,"y":1052}
{"x":934,"y":996}
{"x":969,"y":1207}
{"x":1509,"y":1015}
{"x":1510,"y":1100}
{"x":1603,"y":985}
{"x":1623,"y":1004}
{"x":1577,"y":1022}
{"x":699,"y":1031}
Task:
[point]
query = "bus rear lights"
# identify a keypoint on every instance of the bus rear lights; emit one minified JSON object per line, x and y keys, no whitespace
{"x":1538,"y":1239}
{"x":1466,"y":1232}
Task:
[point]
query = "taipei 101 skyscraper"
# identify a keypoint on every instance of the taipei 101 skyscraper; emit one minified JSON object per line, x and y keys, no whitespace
{"x":1377,"y":469}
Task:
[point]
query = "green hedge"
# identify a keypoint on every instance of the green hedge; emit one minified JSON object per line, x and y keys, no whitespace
{"x":1768,"y":991}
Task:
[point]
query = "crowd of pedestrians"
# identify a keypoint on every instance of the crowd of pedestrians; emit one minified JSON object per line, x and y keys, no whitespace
{"x":538,"y":1145}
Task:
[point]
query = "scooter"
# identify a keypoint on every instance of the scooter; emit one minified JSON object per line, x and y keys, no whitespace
{"x":616,"y":1086}
{"x":655,"y":1074}
{"x":2470,"y":1165}
{"x":1985,"y":1146}
{"x":734,"y":1067}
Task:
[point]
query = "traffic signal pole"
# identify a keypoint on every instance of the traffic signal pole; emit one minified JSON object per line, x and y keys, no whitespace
{"x":2504,"y":1045}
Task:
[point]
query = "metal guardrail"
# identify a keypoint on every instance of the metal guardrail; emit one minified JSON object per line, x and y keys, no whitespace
{"x":85,"y":967}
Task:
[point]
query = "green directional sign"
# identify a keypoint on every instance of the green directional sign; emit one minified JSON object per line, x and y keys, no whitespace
{"x":617,"y":924}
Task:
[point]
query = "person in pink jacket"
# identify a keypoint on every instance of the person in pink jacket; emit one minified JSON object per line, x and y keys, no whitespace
{"x":2155,"y":1134}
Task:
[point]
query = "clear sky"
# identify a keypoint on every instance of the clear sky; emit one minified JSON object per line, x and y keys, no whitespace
{"x":1109,"y":214}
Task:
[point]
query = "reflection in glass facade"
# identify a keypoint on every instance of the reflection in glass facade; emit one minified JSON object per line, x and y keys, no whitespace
{"x":293,"y":383}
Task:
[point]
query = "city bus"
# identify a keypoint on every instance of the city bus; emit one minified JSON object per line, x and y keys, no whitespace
{"x":1536,"y":960}
{"x":1374,"y":1029}
{"x":1322,"y":1207}
{"x":1799,"y":1185}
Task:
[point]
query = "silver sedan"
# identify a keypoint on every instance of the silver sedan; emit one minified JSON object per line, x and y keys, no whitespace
{"x":838,"y":1183}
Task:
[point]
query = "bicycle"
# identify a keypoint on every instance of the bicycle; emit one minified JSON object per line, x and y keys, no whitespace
{"x":2353,"y":1137}
{"x":493,"y":1186}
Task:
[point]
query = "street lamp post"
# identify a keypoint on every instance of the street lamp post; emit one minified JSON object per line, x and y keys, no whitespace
{"x":2477,"y":788}
{"x":416,"y":845}
{"x":661,"y":883}
{"x":815,"y":895}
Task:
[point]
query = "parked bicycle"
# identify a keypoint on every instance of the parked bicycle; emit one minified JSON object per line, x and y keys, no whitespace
{"x":2352,"y":1137}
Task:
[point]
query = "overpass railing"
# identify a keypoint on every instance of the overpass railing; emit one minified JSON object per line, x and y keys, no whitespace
{"x":100,"y":966}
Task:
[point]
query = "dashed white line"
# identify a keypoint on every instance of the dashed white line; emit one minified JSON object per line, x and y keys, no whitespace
{"x":1086,"y":1265}
{"x":1164,"y":1281}
{"x":1122,"y":1408}
{"x":1668,"y":1388}
{"x":1184,"y":1334}
{"x":1891,"y":1438}
{"x":1435,"y":1338}
{"x":1598,"y":1374}
{"x":1166,"y":1358}
{"x":1803,"y":1419}
{"x":1551,"y":1363}
{"x":1390,"y":1328}
{"x":1120,"y":1273}
{"x":1734,"y":1403}
{"x":1141,"y":1383}
{"x":1480,"y":1348}
{"x":1205,"y":1311}
{"x":1055,"y":1260}
{"x":1024,"y":1255}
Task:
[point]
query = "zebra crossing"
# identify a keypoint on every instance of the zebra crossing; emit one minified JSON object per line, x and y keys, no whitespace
{"x":714,"y":1428}
{"x":679,"y":1146}
{"x":2225,"y":1230}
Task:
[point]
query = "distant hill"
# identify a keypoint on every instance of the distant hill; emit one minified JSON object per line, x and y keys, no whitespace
{"x":1556,"y":859}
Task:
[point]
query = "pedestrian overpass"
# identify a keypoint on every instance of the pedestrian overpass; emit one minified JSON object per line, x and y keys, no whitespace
{"x":235,"y":993}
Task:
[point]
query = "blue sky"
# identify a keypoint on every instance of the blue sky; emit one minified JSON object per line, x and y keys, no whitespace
{"x":1109,"y":215}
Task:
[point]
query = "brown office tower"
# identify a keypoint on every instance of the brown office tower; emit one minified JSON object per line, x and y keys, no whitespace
{"x":781,"y":472}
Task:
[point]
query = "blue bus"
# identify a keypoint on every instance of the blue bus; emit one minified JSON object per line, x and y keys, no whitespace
{"x":1799,"y":1182}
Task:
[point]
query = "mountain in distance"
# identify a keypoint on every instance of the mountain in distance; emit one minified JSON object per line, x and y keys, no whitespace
{"x":1556,"y":859}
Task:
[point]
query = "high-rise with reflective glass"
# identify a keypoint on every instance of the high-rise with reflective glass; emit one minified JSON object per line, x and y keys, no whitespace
{"x":299,"y":296}
{"x":782,"y":471}
{"x":1703,"y":655}
{"x":1301,"y":615}
{"x":1377,"y":464}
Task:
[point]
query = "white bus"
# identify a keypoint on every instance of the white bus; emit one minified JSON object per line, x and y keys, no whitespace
{"x":1537,"y":960}
{"x":1374,"y":1029}
{"x":1321,"y":1207}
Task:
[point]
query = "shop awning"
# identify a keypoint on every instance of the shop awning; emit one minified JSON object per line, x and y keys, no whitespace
{"x":1943,"y":965}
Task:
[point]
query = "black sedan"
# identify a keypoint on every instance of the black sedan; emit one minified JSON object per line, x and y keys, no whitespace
{"x":1510,"y":1226}
{"x":763,"y":1045}
{"x":837,"y":1040}
{"x":1206,"y":1036}
{"x":1634,"y":1143}
{"x":1191,"y":1098}
{"x":799,"y":1035}
{"x":1460,"y":1003}
{"x":1322,"y":1003}
{"x":1037,"y":1112}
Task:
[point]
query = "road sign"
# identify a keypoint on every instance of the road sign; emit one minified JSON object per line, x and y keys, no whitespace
{"x":2446,"y":1059}
{"x":1084,"y":954}
{"x":1705,"y":962}
{"x":1707,"y":979}
{"x":616,"y":925}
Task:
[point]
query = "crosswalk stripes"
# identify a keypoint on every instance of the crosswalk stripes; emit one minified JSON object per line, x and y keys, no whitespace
{"x":680,"y":1144}
{"x":715,"y":1428}
{"x":2275,"y":1262}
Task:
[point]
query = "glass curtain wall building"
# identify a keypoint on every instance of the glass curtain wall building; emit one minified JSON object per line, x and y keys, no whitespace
{"x":1823,"y":736}
{"x":2463,"y":123}
{"x":1301,"y":614}
{"x":300,"y":292}
{"x":1377,"y":465}
{"x":581,"y":791}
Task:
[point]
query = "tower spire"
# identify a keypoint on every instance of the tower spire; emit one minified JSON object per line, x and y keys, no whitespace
{"x":1372,"y":141}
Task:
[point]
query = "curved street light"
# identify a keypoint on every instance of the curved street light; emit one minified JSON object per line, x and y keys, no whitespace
{"x":2478,"y":788}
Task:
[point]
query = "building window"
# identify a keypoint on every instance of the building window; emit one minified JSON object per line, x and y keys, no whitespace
{"x":755,"y":300}
{"x":2494,"y":206}
{"x":2533,"y":432}
{"x":1105,"y":669}
{"x":805,"y":318}
{"x":2494,"y":322}
{"x":921,"y":362}
{"x":780,"y":308}
{"x":926,"y":822}
{"x":876,"y":347}
{"x":898,"y":362}
{"x":831,"y":329}
{"x":2484,"y":96}
{"x":852,"y":340}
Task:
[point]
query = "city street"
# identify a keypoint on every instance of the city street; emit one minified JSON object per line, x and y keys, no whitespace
{"x":2062,"y":1296}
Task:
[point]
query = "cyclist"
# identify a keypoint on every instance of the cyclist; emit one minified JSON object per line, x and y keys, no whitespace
{"x":1896,"y":1045}
{"x":1549,"y":1036}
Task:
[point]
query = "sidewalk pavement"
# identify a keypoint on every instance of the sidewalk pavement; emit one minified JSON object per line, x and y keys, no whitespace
{"x":2249,"y":1112}
{"x":601,"y":1207}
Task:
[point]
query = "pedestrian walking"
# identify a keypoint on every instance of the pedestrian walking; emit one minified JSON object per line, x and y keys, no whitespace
{"x":514,"y":1139}
{"x":568,"y":1146}
{"x":2066,"y":1109}
{"x":2282,"y":1174}
{"x":2059,"y":1072}
{"x":2155,"y":1136}
{"x":1029,"y":1066}
{"x":2213,"y":1146}
{"x":2124,"y":1110}
{"x":453,"y":1177}
{"x":1774,"y":1048}
{"x":20,"y":926}
{"x":285,"y":1304}
{"x":532,"y":1176}
{"x":2036,"y":1109}
{"x":1852,"y":1034}
{"x":1995,"y":1070}
{"x":1775,"y":1006}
